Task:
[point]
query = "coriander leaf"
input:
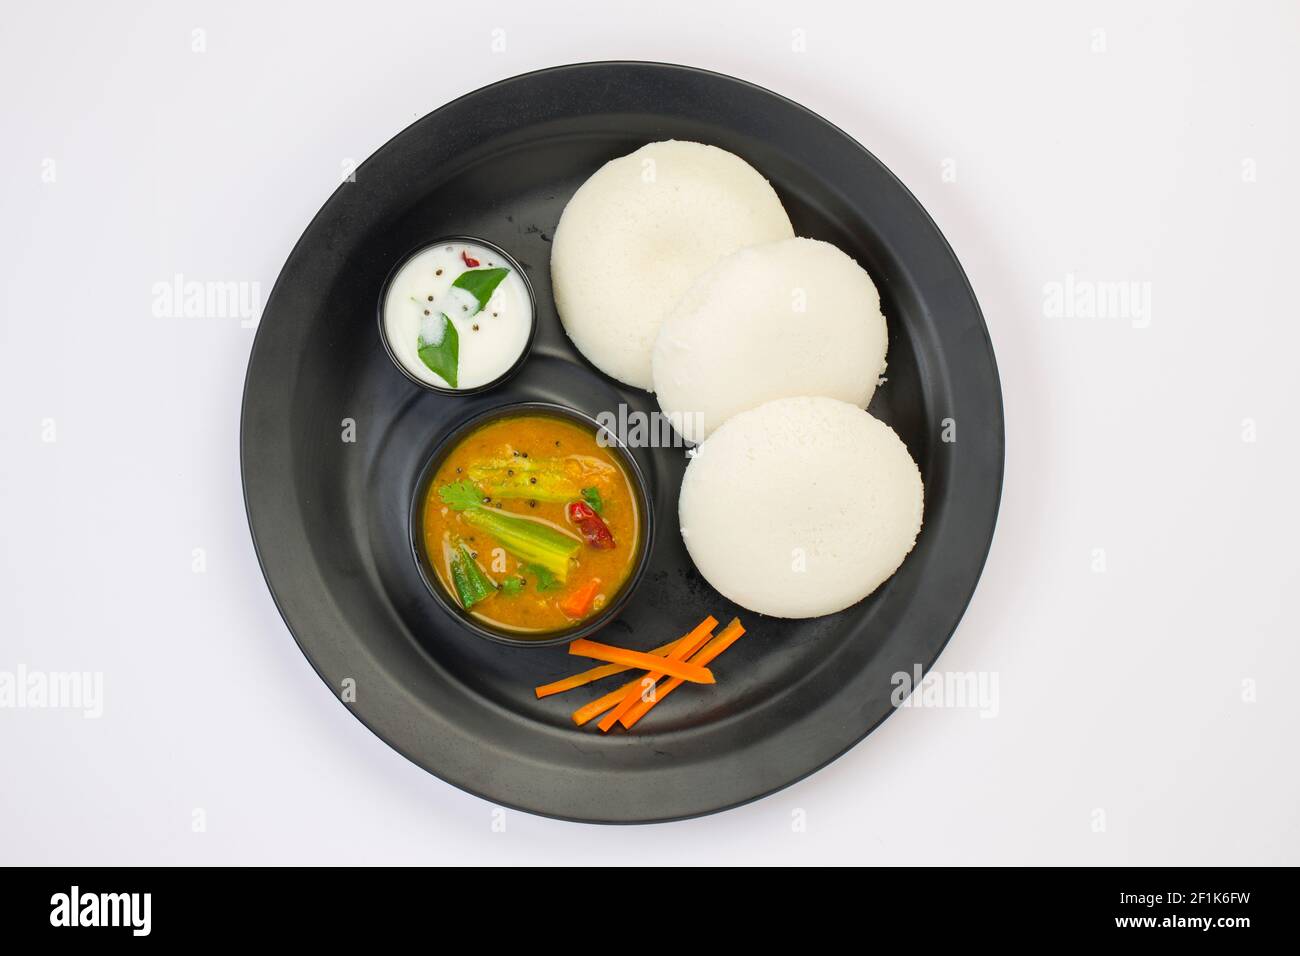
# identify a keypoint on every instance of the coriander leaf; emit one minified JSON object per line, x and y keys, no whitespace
{"x":460,"y":495}
{"x":546,"y":581}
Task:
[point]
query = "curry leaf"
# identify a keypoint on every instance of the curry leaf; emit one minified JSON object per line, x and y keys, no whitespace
{"x":481,"y":283}
{"x":444,"y":357}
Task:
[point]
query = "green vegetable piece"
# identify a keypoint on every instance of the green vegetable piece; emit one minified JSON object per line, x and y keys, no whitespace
{"x":482,"y":585}
{"x":480,"y":283}
{"x":524,"y":478}
{"x":460,"y":581}
{"x":460,"y":495}
{"x":546,"y":581}
{"x":444,"y":357}
{"x":530,"y":541}
{"x":470,"y":581}
{"x":512,"y":586}
{"x":592,"y":497}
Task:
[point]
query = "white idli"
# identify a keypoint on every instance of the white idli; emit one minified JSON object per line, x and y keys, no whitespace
{"x":639,"y":232}
{"x":793,"y":317}
{"x":800,"y":507}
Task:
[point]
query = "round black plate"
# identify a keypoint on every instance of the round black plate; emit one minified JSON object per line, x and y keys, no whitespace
{"x":329,"y":516}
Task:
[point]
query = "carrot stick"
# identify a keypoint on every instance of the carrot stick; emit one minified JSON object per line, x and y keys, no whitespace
{"x":691,"y":643}
{"x":602,"y":704}
{"x":642,"y":661}
{"x":596,"y":673}
{"x":730,"y":634}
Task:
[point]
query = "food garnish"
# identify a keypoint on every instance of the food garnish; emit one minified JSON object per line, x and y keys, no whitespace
{"x":596,"y":673}
{"x":530,"y":541}
{"x":601,"y":704}
{"x":730,"y":634}
{"x":685,"y":648}
{"x":592,"y":497}
{"x":594,"y":530}
{"x":546,"y":581}
{"x":439,"y":342}
{"x":439,"y":347}
{"x":632,"y":701}
{"x":480,"y":283}
{"x":621,"y":655}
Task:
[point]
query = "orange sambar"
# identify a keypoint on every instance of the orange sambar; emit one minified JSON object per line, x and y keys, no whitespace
{"x":559,"y":460}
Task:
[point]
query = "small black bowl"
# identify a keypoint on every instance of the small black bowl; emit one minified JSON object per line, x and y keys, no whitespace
{"x":532,"y":308}
{"x":585,"y":628}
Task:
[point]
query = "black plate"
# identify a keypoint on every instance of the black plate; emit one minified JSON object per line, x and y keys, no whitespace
{"x":329,"y":517}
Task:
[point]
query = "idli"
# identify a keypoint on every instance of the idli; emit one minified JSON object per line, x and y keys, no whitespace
{"x":793,"y":317}
{"x":639,"y":232}
{"x":800,"y":507}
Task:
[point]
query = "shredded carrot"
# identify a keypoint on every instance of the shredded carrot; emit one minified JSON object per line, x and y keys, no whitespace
{"x":642,"y":661}
{"x":729,"y":635}
{"x":578,"y":603}
{"x":684,"y":649}
{"x":601,"y":704}
{"x":596,"y":673}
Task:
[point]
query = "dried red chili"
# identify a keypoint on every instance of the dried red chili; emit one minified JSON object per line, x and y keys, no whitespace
{"x":593,"y":528}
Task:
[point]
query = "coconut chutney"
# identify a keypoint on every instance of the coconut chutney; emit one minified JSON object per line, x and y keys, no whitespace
{"x":457,"y":315}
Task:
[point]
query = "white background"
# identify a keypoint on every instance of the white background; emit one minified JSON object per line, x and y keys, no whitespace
{"x":1146,"y":712}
